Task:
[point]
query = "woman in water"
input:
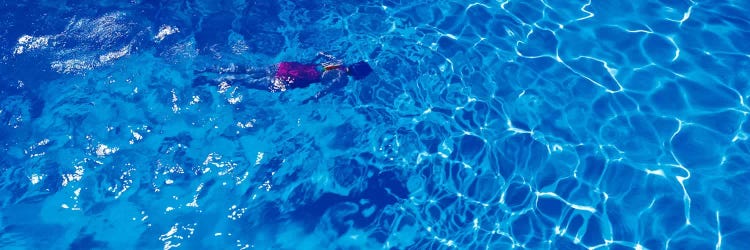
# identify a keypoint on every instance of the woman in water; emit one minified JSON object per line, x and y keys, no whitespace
{"x":289,"y":75}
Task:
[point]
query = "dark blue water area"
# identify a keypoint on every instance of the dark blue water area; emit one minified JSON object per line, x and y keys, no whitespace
{"x":485,"y":125}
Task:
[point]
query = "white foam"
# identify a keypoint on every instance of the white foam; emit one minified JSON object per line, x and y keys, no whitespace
{"x":104,"y":150}
{"x":28,"y":43}
{"x":71,"y":65}
{"x":136,"y":135}
{"x":164,"y":31}
{"x":115,"y":54}
{"x":235,"y":100}
{"x":35,"y":178}
{"x":248,"y":124}
{"x":259,"y":158}
{"x":196,"y":99}
{"x":67,"y":178}
{"x":77,"y":48}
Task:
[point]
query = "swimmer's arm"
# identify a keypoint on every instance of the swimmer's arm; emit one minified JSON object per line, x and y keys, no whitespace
{"x":320,"y":94}
{"x":337,"y":82}
{"x":322,"y":55}
{"x":232,"y":69}
{"x":327,"y":60}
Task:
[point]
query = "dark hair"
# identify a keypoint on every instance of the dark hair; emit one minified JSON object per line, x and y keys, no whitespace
{"x":359,"y":70}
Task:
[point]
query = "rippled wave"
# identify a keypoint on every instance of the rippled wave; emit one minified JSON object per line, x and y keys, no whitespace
{"x":487,"y":124}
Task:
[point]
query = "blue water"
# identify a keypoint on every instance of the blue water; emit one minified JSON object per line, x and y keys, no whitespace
{"x":540,"y":124}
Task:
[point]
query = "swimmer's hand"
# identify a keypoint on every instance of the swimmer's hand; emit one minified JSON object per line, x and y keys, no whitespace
{"x":313,"y":98}
{"x":326,"y":59}
{"x":326,"y":55}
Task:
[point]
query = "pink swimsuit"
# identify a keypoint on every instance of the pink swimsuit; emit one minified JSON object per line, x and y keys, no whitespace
{"x":297,"y":75}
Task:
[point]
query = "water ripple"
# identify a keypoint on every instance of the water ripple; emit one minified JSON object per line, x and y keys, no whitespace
{"x":488,"y":124}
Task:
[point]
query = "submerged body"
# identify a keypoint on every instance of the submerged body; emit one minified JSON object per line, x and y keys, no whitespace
{"x":288,"y":75}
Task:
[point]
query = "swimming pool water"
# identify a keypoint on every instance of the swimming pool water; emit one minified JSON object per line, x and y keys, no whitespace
{"x":534,"y":124}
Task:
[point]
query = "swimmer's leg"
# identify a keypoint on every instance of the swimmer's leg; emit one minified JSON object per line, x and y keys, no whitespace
{"x":248,"y":82}
{"x":260,"y":84}
{"x":204,"y":81}
{"x":255,"y":72}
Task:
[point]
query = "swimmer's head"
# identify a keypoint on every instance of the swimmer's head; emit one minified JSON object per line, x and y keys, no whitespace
{"x":359,"y":70}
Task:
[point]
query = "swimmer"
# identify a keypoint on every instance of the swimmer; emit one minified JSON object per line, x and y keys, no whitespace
{"x":289,"y":75}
